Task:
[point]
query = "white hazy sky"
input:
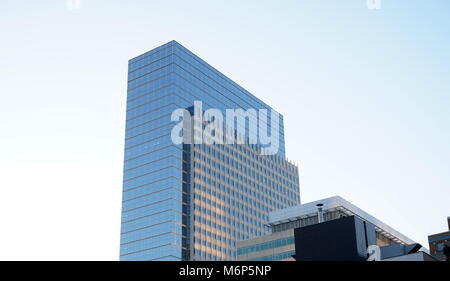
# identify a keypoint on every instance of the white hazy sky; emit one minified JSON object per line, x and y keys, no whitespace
{"x":365,"y":95}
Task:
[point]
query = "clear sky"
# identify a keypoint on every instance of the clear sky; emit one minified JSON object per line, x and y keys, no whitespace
{"x":365,"y":96}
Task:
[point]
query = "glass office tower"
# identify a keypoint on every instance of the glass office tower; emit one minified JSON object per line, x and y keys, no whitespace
{"x":193,"y":202}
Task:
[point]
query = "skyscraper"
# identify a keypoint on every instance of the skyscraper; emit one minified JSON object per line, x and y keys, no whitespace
{"x":194,"y":201}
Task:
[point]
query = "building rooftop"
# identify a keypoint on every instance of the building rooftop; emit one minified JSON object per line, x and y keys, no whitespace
{"x":334,"y":203}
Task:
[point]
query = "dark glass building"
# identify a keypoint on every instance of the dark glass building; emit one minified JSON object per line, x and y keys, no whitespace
{"x":194,"y":202}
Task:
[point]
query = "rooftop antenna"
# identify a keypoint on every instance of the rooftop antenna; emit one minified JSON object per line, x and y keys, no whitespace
{"x":319,"y":212}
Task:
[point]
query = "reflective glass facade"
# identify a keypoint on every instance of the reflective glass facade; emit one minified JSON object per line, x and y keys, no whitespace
{"x":233,"y":189}
{"x":178,"y":202}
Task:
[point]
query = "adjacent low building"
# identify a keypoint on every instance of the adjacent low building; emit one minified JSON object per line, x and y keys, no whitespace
{"x":280,"y":244}
{"x":438,"y":242}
